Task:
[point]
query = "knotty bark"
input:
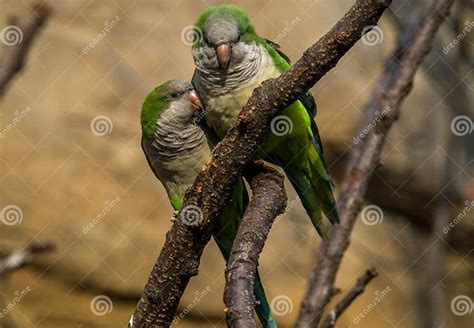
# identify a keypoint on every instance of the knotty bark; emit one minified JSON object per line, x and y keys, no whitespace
{"x":268,"y":201}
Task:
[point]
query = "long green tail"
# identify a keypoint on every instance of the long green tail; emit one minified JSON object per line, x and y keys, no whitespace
{"x":225,"y":230}
{"x":263,"y":310}
{"x":314,"y":186}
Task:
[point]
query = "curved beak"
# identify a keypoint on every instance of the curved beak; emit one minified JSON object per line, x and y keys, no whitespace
{"x":195,"y":100}
{"x":223,"y":55}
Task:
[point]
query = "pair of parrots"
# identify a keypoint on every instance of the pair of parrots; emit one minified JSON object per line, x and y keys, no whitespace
{"x":231,"y":60}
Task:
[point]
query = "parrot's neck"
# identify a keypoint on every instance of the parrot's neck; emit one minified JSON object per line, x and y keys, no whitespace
{"x":242,"y":71}
{"x":173,"y":140}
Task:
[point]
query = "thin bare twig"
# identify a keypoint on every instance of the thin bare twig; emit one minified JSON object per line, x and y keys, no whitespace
{"x":180,"y":256}
{"x":396,"y":82}
{"x":268,"y":201}
{"x":447,"y":78}
{"x":18,"y":258}
{"x":358,"y":289}
{"x":18,"y":37}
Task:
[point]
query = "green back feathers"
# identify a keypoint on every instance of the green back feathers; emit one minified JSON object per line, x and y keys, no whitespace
{"x":280,"y":61}
{"x":233,"y":11}
{"x":155,"y":103}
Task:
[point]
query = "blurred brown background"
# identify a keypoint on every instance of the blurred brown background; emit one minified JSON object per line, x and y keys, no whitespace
{"x":93,"y":195}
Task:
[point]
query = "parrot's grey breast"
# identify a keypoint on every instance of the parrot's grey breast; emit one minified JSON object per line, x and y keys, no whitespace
{"x":172,"y":141}
{"x":177,"y":154}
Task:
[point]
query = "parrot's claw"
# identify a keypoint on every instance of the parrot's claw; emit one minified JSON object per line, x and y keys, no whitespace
{"x":174,"y":217}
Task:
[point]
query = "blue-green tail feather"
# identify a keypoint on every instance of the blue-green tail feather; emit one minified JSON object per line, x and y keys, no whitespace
{"x":304,"y":189}
{"x":314,"y":186}
{"x":263,"y":310}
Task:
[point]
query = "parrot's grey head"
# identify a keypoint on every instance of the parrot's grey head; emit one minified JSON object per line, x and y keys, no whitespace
{"x":222,"y":36}
{"x":174,"y":103}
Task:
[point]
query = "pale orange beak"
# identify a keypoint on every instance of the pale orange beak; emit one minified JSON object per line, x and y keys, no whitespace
{"x":223,"y":55}
{"x":195,"y":100}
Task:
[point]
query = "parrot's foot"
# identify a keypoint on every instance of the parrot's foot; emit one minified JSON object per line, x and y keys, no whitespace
{"x":174,"y":217}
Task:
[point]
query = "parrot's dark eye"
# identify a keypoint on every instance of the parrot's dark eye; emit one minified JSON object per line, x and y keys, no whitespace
{"x":174,"y":95}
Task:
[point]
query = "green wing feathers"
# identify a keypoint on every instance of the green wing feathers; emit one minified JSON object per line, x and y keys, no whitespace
{"x":282,"y":62}
{"x":307,"y":172}
{"x":301,"y":156}
{"x":314,"y":186}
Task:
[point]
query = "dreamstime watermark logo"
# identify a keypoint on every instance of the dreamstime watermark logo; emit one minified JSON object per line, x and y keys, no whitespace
{"x":19,"y":295}
{"x":281,"y":125}
{"x":11,"y":215}
{"x":19,"y":115}
{"x":372,"y":35}
{"x":191,"y":35}
{"x":462,"y":125}
{"x":379,"y":296}
{"x":289,"y":207}
{"x":467,"y":28}
{"x":371,"y":126}
{"x":191,"y":215}
{"x":289,"y":25}
{"x":109,"y":205}
{"x":101,"y":305}
{"x":198,"y":296}
{"x":11,"y":35}
{"x":468,"y":208}
{"x":108,"y":26}
{"x":101,"y":125}
{"x":281,"y":305}
{"x":461,"y":305}
{"x":372,"y":215}
{"x":200,"y":115}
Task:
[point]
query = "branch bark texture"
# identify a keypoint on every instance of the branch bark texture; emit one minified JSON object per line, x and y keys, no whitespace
{"x":396,"y":82}
{"x":268,"y":201}
{"x":181,"y":253}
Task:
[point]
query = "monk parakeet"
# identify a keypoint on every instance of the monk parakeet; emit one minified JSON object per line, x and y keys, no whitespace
{"x":231,"y":61}
{"x":176,"y":149}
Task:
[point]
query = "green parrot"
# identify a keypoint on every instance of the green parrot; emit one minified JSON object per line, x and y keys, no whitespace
{"x":176,"y":149}
{"x":231,"y":60}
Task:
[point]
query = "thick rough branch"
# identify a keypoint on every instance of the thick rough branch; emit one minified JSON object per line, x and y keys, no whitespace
{"x":268,"y":201}
{"x":180,"y":256}
{"x":396,"y":82}
{"x":17,"y":38}
{"x":358,"y":289}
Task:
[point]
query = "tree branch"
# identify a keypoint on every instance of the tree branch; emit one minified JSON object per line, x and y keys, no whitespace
{"x":17,"y":259}
{"x":396,"y":82}
{"x":184,"y":244}
{"x":18,"y":37}
{"x":358,"y":289}
{"x":268,"y":201}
